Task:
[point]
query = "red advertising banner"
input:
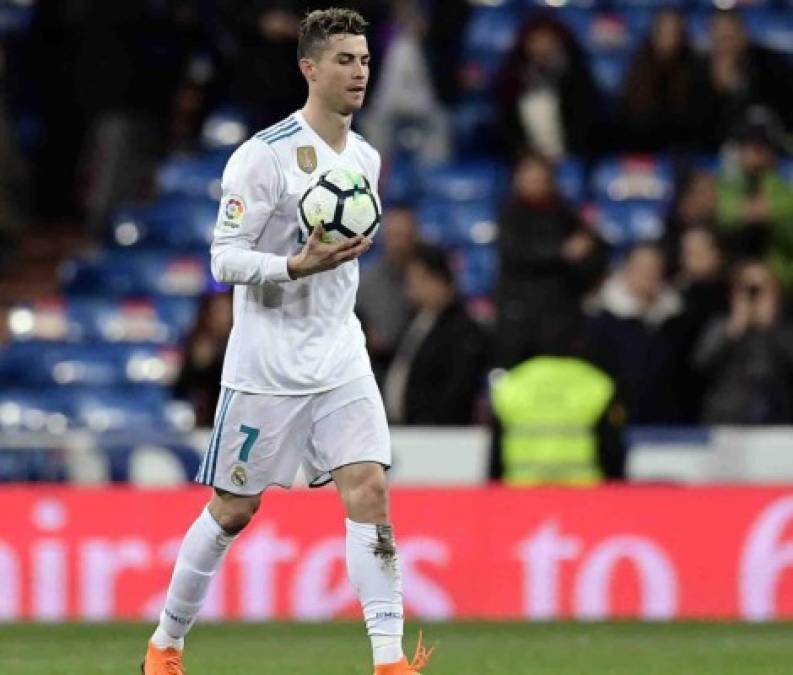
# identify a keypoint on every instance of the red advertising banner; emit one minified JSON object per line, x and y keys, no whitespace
{"x":654,"y":553}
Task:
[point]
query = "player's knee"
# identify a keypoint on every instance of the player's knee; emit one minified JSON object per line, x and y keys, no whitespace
{"x":370,"y":498}
{"x":233,"y":514}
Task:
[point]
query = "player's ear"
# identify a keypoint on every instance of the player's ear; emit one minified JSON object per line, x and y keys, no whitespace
{"x":308,"y":68}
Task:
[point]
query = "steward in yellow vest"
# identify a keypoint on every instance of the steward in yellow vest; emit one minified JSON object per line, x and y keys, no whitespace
{"x":558,"y":422}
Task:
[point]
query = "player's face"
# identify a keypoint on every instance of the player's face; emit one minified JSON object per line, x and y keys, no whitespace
{"x":342,"y":73}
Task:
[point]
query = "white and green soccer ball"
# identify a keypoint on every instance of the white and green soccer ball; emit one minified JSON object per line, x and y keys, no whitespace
{"x":344,"y":202}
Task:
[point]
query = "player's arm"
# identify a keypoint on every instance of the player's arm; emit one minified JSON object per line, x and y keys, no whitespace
{"x":252,"y":185}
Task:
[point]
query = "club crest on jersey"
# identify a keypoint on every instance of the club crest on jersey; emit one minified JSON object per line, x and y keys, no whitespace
{"x":239,"y":476}
{"x":232,"y":210}
{"x":307,"y":158}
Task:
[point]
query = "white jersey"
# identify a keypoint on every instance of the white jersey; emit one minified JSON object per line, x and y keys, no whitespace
{"x":289,"y":336}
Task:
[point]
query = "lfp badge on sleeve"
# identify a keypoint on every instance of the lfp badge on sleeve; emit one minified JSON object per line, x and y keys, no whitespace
{"x":307,"y":158}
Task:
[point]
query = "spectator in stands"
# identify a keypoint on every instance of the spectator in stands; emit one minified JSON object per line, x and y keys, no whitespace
{"x":405,"y":112}
{"x":12,"y":181}
{"x":738,"y":74}
{"x":263,"y":78}
{"x":199,"y":379}
{"x":702,"y":285}
{"x":438,"y":370}
{"x":382,"y":304}
{"x":547,"y":98}
{"x":694,"y":207}
{"x":548,"y":259}
{"x":747,"y":355}
{"x":637,"y":332}
{"x":654,"y":112}
{"x":755,"y":202}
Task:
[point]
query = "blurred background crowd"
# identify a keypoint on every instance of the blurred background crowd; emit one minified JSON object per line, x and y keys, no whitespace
{"x":604,"y":180}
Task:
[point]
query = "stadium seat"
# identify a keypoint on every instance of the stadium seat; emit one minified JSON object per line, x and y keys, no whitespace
{"x":174,"y":221}
{"x":146,"y":465}
{"x":489,"y":35}
{"x":571,"y":179}
{"x":786,"y":169}
{"x":609,"y":71}
{"x":137,"y":273}
{"x":30,"y":364}
{"x":465,"y":181}
{"x":633,"y":178}
{"x":451,"y":224}
{"x":48,"y":409}
{"x":627,"y":223}
{"x":771,"y":28}
{"x":474,"y":122}
{"x":27,"y":465}
{"x":112,"y":409}
{"x":193,"y":175}
{"x":160,"y":320}
{"x":612,"y":32}
{"x":400,"y":182}
{"x":225,"y":128}
{"x":477,"y":269}
{"x":15,"y":18}
{"x":733,"y":4}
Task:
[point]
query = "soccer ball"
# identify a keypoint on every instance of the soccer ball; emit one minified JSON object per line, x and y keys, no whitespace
{"x":344,"y":202}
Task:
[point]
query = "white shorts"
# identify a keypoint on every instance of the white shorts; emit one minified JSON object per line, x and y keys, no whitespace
{"x":261,"y":440}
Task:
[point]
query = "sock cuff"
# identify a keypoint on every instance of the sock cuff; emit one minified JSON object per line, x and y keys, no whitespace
{"x":360,"y":528}
{"x":212,"y":526}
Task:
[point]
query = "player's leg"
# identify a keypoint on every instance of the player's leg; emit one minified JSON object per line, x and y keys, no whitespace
{"x":247,"y":453}
{"x":350,"y":441}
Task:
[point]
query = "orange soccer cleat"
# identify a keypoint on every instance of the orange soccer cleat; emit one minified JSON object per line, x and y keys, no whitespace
{"x":162,"y":661}
{"x":420,"y":659}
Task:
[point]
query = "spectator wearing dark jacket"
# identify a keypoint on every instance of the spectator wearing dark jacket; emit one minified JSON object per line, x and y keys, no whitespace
{"x":547,"y":259}
{"x":547,"y":98}
{"x":654,"y":111}
{"x":438,"y":370}
{"x":747,"y":355}
{"x":637,"y":330}
{"x":737,"y":75}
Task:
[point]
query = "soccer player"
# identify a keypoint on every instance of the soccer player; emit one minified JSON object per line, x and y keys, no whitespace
{"x":297,"y":385}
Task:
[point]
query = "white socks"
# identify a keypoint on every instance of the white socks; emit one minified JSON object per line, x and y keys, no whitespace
{"x":202,"y":551}
{"x":373,"y":567}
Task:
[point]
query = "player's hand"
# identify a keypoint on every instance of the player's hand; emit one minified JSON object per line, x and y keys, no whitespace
{"x":317,"y":256}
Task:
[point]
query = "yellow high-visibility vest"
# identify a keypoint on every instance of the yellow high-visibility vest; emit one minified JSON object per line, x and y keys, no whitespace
{"x":549,"y":407}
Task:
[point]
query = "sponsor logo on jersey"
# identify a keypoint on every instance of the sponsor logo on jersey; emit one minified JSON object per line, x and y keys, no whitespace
{"x":307,"y":158}
{"x":232,"y":210}
{"x":239,"y":476}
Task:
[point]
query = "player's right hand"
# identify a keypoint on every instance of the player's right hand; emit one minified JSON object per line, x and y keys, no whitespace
{"x":317,"y":256}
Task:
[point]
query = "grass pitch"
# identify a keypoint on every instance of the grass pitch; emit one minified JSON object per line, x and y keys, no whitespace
{"x":463,"y":649}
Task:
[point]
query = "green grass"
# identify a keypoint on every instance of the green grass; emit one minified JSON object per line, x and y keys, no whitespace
{"x":464,"y":649}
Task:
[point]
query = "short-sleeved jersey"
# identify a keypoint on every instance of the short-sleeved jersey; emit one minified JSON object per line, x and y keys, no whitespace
{"x":289,"y":336}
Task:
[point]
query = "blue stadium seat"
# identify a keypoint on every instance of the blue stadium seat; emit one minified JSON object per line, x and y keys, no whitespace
{"x":400,"y":182}
{"x":161,"y":320}
{"x":489,"y":35}
{"x":770,"y":28}
{"x":733,"y":4}
{"x":786,"y":169}
{"x":474,"y":122}
{"x":612,"y":32}
{"x":626,"y":223}
{"x":15,"y":18}
{"x":698,"y":23}
{"x":136,"y":273}
{"x":477,"y":270}
{"x":560,"y":4}
{"x":452,"y":224}
{"x":465,"y":181}
{"x":632,"y":178}
{"x":111,"y":409}
{"x":194,"y":175}
{"x":225,"y":128}
{"x":88,"y":364}
{"x":571,"y":179}
{"x":609,"y":71}
{"x":27,"y":465}
{"x":45,"y":409}
{"x":173,"y":221}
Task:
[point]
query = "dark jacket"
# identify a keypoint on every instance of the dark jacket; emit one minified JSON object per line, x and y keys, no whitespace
{"x":447,"y":372}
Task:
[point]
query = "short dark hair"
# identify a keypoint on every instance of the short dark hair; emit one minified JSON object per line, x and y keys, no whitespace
{"x":317,"y":27}
{"x":435,"y":261}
